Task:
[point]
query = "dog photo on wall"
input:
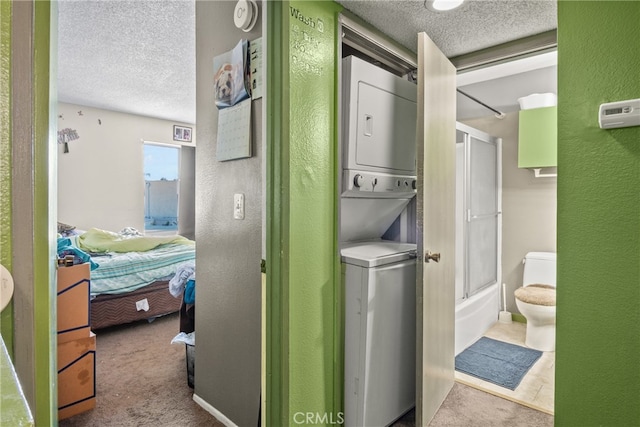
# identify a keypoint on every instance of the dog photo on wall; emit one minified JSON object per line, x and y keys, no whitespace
{"x":230,"y":76}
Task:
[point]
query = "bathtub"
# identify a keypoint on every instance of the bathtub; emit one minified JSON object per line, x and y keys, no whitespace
{"x":475,"y":315}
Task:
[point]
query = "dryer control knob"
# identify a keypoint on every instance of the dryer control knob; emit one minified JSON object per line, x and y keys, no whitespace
{"x":358,"y":180}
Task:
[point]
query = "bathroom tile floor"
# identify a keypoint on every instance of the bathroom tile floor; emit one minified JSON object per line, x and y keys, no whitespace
{"x":537,"y":387}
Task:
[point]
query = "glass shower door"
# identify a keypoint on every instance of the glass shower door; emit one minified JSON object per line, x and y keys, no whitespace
{"x":482,"y":213}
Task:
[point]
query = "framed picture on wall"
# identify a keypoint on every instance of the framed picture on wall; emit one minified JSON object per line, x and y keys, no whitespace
{"x":181,"y":133}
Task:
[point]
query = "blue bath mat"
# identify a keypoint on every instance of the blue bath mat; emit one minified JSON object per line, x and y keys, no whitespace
{"x":498,"y":362}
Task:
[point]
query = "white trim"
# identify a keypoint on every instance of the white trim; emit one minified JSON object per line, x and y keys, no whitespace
{"x":548,"y":59}
{"x":169,"y":143}
{"x":213,"y":411}
{"x":375,"y":44}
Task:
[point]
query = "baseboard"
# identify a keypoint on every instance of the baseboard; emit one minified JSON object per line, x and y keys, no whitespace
{"x":213,"y":411}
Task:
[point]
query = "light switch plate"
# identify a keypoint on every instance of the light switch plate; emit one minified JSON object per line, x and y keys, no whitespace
{"x":238,"y":206}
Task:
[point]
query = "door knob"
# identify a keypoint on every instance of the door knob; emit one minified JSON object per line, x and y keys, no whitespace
{"x":431,"y":256}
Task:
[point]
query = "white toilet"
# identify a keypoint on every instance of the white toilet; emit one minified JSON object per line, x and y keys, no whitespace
{"x":536,"y":300}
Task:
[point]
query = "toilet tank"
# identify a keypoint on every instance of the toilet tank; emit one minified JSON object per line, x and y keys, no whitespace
{"x":540,"y":268}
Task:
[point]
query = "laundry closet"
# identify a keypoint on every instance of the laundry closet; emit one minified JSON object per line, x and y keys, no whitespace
{"x":378,"y":240}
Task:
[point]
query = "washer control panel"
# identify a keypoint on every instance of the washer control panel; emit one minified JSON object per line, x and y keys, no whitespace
{"x":367,"y":183}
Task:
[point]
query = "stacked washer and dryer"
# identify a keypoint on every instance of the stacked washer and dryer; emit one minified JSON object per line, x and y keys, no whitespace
{"x":378,"y":250}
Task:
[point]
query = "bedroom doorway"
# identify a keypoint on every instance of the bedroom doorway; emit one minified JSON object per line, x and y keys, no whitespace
{"x":161,"y":188}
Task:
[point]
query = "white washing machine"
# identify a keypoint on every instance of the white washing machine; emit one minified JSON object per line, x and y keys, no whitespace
{"x":380,"y":331}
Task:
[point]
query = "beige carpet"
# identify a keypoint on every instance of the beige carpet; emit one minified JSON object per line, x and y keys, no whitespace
{"x":141,"y":379}
{"x":468,"y":407}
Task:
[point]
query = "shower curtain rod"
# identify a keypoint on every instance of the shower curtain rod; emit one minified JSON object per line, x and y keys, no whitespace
{"x":499,"y":114}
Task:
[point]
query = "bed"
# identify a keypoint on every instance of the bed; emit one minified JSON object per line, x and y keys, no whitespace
{"x":130,"y":280}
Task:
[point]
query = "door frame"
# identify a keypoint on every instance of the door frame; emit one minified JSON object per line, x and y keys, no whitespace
{"x":34,"y":203}
{"x":381,"y":48}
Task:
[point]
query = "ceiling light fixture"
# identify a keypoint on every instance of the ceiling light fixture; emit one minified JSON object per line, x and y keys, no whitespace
{"x":442,"y":5}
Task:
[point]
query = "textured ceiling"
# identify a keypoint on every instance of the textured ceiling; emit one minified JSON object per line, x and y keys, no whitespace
{"x":132,"y":56}
{"x":139,"y":56}
{"x":476,"y":25}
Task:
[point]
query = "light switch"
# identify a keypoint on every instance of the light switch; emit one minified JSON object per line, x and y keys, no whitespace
{"x":238,"y":206}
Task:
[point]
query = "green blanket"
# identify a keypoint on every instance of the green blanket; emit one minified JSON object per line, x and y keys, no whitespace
{"x":96,"y":240}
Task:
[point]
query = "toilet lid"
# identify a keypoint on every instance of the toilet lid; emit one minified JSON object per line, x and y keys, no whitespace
{"x":537,"y":294}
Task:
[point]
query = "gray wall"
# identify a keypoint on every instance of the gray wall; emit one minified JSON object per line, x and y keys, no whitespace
{"x":187,"y":208}
{"x":227,"y":369}
{"x":528,"y":205}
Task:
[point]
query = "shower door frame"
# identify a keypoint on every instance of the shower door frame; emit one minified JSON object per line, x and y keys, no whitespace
{"x":486,"y":138}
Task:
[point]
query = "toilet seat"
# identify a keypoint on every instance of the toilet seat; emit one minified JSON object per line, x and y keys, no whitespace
{"x":537,"y":294}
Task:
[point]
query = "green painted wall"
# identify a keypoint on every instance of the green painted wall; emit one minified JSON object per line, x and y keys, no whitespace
{"x":275,"y":304}
{"x":13,"y":406}
{"x":314,"y":264}
{"x":14,"y":409}
{"x":303,"y":262}
{"x":598,"y":339}
{"x":6,"y":318}
{"x":38,"y":378}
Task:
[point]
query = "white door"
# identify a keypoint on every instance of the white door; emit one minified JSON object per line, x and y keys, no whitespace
{"x":436,"y":159}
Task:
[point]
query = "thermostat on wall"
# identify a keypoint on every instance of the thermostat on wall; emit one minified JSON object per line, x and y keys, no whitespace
{"x":619,"y":114}
{"x":245,"y":15}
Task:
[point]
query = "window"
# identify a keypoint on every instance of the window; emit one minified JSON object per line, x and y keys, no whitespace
{"x":161,"y":179}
